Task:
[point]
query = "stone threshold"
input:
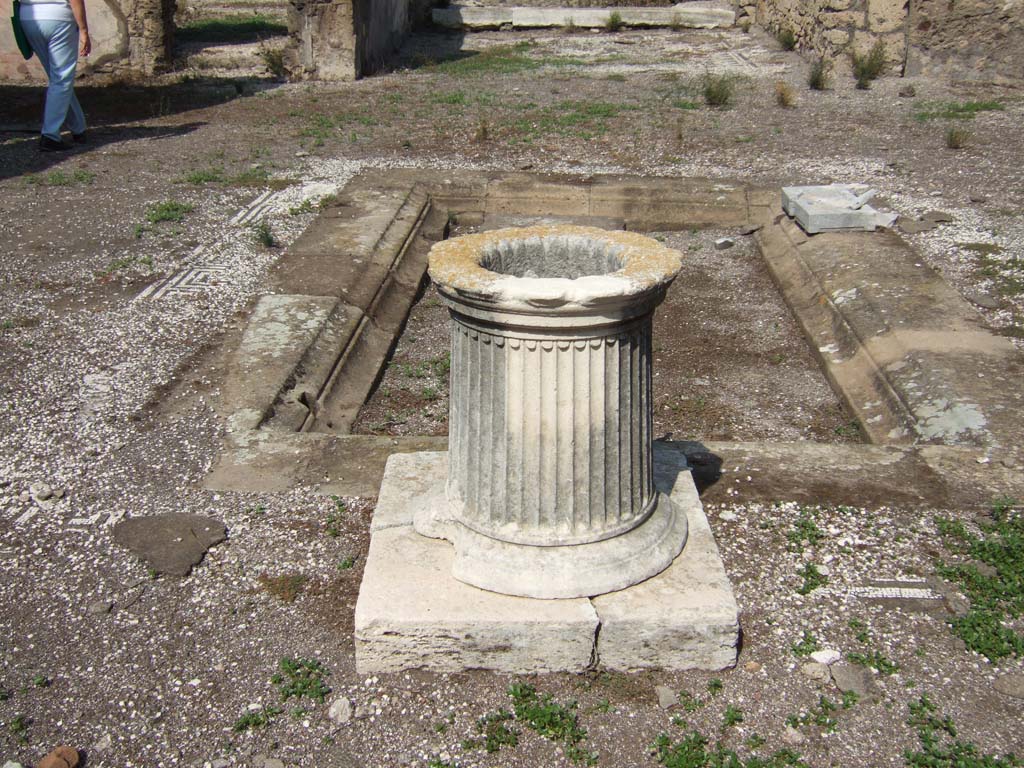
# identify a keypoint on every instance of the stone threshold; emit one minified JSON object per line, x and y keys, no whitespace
{"x":909,"y":356}
{"x":690,"y":15}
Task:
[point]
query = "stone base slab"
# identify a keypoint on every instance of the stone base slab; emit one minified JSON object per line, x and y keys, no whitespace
{"x":413,"y":613}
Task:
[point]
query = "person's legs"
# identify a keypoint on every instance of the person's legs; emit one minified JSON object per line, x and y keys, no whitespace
{"x":56,"y":45}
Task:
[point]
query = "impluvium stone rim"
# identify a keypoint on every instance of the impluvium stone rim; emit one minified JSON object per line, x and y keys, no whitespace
{"x":627,"y":266}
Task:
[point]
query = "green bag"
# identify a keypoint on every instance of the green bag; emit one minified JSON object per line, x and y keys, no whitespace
{"x":19,"y":33}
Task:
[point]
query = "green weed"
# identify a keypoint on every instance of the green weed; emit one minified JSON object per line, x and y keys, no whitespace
{"x":875,"y":660}
{"x":715,"y":686}
{"x":689,"y":702}
{"x":264,"y":234}
{"x":940,"y":745}
{"x":812,"y":579}
{"x":805,"y":531}
{"x":300,"y":678}
{"x":819,"y":716}
{"x":204,"y":176}
{"x":732,"y":716}
{"x":58,"y":179}
{"x":259,"y":718}
{"x":808,"y":644}
{"x":334,"y":518}
{"x":251,"y":177}
{"x":614,"y":22}
{"x":501,"y":60}
{"x":996,"y":589}
{"x":347,"y":563}
{"x":306,"y":206}
{"x":787,"y":39}
{"x":19,"y":729}
{"x":494,"y":733}
{"x":583,"y":119}
{"x":850,"y":429}
{"x":168,"y":210}
{"x":554,"y":721}
{"x":452,"y":99}
{"x":692,"y":752}
{"x":273,"y":60}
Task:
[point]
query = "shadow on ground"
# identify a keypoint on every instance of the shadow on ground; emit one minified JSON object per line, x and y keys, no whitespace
{"x":20,"y":155}
{"x":109,"y":109}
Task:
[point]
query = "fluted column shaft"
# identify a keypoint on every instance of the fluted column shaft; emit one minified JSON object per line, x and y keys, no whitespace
{"x":550,"y":429}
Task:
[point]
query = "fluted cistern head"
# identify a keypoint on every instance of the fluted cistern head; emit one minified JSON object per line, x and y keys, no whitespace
{"x":555,"y":269}
{"x":550,"y":489}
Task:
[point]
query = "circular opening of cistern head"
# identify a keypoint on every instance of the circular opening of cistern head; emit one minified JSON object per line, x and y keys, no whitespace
{"x":553,"y":256}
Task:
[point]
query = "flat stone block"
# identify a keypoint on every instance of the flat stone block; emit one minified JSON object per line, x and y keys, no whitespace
{"x":412,"y":614}
{"x":409,"y":485}
{"x":685,"y":617}
{"x":834,"y":207}
{"x":465,"y":17}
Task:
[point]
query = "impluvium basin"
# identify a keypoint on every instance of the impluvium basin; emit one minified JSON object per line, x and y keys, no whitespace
{"x":550,"y":486}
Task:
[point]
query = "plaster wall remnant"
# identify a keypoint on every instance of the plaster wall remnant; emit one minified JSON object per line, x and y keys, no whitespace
{"x":550,"y":482}
{"x":346,"y":39}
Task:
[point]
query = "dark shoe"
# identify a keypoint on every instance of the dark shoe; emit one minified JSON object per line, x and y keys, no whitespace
{"x":80,"y":138}
{"x":46,"y":144}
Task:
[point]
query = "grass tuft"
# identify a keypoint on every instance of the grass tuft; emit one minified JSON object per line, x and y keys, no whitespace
{"x":718,"y":90}
{"x":867,"y":67}
{"x":787,"y":39}
{"x":785,"y":95}
{"x":818,"y":76}
{"x":614,"y":22}
{"x":957,"y":137}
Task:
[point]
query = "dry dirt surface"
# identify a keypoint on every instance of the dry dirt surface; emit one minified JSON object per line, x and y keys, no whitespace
{"x":729,"y":361}
{"x":113,"y":399}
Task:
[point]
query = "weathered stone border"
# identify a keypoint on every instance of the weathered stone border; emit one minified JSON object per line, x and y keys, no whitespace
{"x":903,"y":349}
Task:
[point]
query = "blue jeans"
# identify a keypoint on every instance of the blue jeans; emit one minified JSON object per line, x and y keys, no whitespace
{"x":56,"y":45}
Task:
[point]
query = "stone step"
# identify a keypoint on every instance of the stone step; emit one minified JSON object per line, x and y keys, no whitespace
{"x":686,"y":15}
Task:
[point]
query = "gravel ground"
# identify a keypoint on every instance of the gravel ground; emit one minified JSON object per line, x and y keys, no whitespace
{"x":115,"y":400}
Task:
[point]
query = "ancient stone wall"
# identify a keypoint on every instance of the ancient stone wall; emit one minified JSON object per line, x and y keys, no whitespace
{"x":835,"y":28}
{"x":970,"y":40}
{"x":979,"y":40}
{"x":129,"y":37}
